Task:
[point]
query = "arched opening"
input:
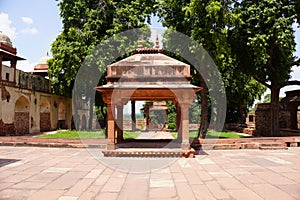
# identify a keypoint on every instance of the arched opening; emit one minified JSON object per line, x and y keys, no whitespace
{"x":61,"y":116}
{"x":45,"y":123}
{"x":83,"y":122}
{"x":22,"y":116}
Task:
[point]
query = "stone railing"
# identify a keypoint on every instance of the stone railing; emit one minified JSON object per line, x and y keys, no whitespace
{"x":32,"y":82}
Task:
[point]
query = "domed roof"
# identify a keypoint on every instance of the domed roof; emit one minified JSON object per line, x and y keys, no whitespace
{"x":44,"y":60}
{"x":42,"y":65}
{"x":5,"y":39}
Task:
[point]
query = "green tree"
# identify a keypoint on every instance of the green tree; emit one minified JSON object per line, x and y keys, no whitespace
{"x":210,"y":23}
{"x":264,"y":43}
{"x":86,"y":23}
{"x":241,"y":92}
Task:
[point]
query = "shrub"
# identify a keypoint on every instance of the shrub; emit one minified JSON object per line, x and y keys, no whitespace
{"x":172,"y":126}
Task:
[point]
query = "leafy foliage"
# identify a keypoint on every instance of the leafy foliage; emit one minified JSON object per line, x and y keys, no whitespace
{"x":264,"y":43}
{"x":210,"y":24}
{"x":87,"y":23}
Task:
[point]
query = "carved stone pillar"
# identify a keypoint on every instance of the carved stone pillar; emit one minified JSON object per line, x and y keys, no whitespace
{"x":183,"y":131}
{"x":110,"y":127}
{"x":13,"y":64}
{"x":178,"y":122}
{"x":184,"y":98}
{"x":120,"y":123}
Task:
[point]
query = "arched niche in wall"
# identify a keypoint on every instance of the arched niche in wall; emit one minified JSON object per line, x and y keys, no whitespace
{"x":21,"y":119}
{"x":45,"y":122}
{"x":61,"y":116}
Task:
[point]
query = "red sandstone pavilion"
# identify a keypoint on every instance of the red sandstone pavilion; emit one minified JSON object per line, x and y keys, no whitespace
{"x":147,"y":75}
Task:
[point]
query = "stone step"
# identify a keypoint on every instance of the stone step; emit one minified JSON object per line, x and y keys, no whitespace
{"x":148,"y":153}
{"x":272,"y":146}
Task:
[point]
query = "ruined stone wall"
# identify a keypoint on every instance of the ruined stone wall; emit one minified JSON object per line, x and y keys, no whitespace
{"x":263,"y":119}
{"x":7,"y":71}
{"x":33,"y":82}
{"x":45,"y":123}
{"x":6,"y":129}
{"x":140,"y":124}
{"x":38,"y":118}
{"x":21,"y":123}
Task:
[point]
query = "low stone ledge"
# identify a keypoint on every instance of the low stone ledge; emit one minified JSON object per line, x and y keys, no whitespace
{"x":143,"y":154}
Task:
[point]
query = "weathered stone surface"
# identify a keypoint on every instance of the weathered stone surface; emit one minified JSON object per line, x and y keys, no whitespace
{"x":21,"y":123}
{"x":263,"y":119}
{"x":6,"y":129}
{"x":45,"y":123}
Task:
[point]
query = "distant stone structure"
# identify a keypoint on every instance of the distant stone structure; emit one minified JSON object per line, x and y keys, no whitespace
{"x":160,"y":108}
{"x":263,"y":119}
{"x":27,"y":103}
{"x":289,"y":116}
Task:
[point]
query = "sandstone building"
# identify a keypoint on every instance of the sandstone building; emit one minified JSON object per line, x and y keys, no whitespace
{"x":27,"y":102}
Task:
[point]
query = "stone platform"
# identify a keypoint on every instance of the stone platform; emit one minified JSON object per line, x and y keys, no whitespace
{"x":216,"y":144}
{"x":68,"y":173}
{"x":145,"y":152}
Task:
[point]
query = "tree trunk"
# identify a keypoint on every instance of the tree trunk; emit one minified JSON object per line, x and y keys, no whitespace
{"x":204,"y":110}
{"x":242,"y":114}
{"x":90,"y":125}
{"x":274,"y":110}
{"x":133,"y":118}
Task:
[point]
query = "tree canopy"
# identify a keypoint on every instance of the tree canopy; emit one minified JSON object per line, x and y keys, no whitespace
{"x":86,"y":23}
{"x":251,"y":41}
{"x":264,"y":44}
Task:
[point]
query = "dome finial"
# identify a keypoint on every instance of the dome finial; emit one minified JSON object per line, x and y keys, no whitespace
{"x":140,"y":43}
{"x":157,"y":42}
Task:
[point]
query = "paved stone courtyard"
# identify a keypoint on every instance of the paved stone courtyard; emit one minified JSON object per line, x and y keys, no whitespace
{"x":69,"y":173}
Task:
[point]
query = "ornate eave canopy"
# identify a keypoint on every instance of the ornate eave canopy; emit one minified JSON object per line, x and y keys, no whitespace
{"x":7,"y":56}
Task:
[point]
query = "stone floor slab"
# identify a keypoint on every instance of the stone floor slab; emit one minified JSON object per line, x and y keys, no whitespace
{"x":224,"y":174}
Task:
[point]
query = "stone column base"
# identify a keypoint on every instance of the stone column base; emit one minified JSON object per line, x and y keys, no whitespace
{"x":185,"y":145}
{"x":111,"y":146}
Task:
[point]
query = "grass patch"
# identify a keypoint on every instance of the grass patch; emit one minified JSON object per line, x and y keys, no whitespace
{"x":73,"y":134}
{"x":226,"y":134}
{"x":131,"y":134}
{"x":213,"y":134}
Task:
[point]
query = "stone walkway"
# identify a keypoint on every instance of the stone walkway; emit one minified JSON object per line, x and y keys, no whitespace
{"x":155,"y":135}
{"x":70,"y":173}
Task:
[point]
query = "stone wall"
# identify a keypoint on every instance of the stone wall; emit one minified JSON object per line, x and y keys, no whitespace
{"x":21,"y":123}
{"x":45,"y":123}
{"x":33,"y":82}
{"x":140,"y":124}
{"x":6,"y":129}
{"x":263,"y":119}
